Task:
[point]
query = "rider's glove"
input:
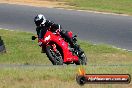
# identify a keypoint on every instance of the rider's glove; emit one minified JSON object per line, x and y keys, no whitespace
{"x":58,"y":31}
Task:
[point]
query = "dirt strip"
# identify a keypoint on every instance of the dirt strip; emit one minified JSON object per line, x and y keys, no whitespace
{"x":38,"y":3}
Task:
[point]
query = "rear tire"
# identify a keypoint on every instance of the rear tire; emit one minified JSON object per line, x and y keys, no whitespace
{"x":82,"y":59}
{"x":54,"y":57}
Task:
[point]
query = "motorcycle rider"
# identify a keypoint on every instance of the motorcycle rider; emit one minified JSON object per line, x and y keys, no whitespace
{"x":43,"y":25}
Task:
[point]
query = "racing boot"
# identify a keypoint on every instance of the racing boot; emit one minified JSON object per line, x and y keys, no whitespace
{"x":43,"y":49}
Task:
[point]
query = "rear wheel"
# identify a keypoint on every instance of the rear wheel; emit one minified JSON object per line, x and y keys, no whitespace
{"x":54,"y":56}
{"x":82,"y":59}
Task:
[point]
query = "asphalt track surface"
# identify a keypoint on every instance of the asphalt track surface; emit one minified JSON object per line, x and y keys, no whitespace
{"x":93,"y":27}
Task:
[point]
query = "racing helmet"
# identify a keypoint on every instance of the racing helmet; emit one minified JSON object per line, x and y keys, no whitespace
{"x":39,"y":19}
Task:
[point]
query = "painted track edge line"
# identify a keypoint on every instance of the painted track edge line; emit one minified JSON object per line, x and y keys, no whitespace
{"x":93,"y":44}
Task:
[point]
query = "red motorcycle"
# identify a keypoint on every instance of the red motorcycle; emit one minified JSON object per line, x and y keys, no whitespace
{"x":59,"y":51}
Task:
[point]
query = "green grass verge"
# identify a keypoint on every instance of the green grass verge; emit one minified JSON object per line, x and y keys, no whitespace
{"x":115,"y":6}
{"x":56,"y":77}
{"x":22,"y":50}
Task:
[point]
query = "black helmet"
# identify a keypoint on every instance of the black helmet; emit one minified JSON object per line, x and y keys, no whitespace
{"x":39,"y":19}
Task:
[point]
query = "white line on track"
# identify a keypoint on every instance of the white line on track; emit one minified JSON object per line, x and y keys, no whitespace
{"x":6,"y":29}
{"x":93,"y":44}
{"x":95,"y":12}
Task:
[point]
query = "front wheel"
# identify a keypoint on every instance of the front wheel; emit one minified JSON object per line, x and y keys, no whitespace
{"x":54,"y":56}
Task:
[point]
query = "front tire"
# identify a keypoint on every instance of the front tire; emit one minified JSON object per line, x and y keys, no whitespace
{"x":54,"y":57}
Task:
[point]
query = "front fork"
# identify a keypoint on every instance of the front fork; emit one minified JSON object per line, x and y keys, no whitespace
{"x":53,"y":46}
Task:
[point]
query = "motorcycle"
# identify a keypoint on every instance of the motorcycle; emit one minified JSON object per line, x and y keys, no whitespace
{"x":59,"y":51}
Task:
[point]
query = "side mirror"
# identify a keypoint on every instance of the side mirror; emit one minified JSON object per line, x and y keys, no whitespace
{"x":33,"y":37}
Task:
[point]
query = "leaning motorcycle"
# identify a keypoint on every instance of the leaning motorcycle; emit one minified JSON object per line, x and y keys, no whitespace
{"x":59,"y":51}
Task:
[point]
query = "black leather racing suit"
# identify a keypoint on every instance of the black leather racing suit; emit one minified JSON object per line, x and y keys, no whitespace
{"x":41,"y":31}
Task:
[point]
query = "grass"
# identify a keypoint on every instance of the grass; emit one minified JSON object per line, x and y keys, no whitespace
{"x":115,"y":6}
{"x":55,"y":77}
{"x":22,"y":50}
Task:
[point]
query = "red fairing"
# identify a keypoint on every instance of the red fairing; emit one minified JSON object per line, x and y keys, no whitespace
{"x":56,"y":39}
{"x":70,"y":34}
